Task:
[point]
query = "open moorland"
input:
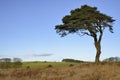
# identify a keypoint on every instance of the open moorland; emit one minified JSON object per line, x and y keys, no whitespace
{"x":62,"y":71}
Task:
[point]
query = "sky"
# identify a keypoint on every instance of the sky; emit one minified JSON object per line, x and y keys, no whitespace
{"x":27,"y":30}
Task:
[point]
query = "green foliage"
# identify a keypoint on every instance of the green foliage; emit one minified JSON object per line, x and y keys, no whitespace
{"x":85,"y":20}
{"x":71,"y":65}
{"x":28,"y":67}
{"x":49,"y":66}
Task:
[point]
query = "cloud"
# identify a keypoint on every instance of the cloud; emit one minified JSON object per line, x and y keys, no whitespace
{"x":29,"y":55}
{"x":40,"y":55}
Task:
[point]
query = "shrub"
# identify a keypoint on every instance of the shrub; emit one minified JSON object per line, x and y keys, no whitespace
{"x":28,"y":67}
{"x":49,"y":66}
{"x":71,"y":65}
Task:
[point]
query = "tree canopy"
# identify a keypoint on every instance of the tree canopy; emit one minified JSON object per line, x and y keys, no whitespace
{"x":86,"y":21}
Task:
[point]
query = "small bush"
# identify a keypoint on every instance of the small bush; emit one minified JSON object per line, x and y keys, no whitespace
{"x":28,"y":67}
{"x":71,"y":65}
{"x":49,"y":66}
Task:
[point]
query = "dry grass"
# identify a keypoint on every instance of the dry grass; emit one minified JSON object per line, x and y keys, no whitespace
{"x":84,"y":71}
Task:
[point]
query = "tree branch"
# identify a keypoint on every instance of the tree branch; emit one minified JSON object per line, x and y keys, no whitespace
{"x":101,"y":33}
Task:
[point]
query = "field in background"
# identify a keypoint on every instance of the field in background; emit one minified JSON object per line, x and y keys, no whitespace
{"x":47,"y":64}
{"x":63,"y":71}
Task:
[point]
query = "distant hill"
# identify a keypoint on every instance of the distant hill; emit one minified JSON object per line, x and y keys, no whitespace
{"x":71,"y":60}
{"x":112,"y":59}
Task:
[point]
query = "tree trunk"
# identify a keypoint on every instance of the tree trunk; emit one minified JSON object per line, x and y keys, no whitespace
{"x":98,"y":51}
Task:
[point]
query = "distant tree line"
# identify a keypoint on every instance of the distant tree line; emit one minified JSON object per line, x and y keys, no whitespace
{"x":112,"y":59}
{"x":72,"y":60}
{"x":6,"y":63}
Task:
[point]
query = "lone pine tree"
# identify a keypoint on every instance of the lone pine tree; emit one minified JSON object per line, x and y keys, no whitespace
{"x":86,"y":21}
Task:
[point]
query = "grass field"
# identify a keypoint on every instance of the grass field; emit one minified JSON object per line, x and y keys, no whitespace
{"x":47,"y":64}
{"x":63,"y":71}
